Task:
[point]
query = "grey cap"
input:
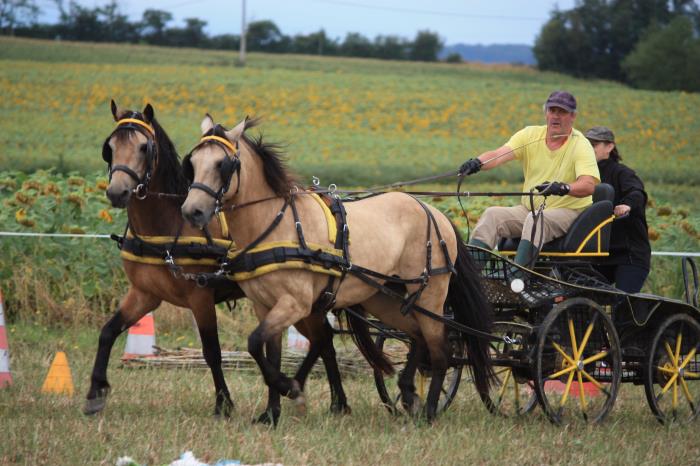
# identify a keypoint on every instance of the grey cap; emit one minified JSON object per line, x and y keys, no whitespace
{"x":561,"y":99}
{"x":600,"y":133}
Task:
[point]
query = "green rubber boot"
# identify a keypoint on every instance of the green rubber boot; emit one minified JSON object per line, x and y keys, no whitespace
{"x":480,"y":257}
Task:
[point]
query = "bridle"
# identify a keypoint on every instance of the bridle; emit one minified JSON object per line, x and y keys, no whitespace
{"x":147,"y":130}
{"x":230,"y":164}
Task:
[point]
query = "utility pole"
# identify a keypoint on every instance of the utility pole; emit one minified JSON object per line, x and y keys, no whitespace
{"x":241,"y":56}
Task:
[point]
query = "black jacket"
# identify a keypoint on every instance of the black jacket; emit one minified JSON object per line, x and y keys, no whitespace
{"x":629,"y":239}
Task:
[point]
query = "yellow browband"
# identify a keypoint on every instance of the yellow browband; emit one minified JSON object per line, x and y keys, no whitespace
{"x":223,"y":141}
{"x":138,"y":122}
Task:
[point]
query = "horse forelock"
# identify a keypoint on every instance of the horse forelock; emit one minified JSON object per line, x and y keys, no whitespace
{"x":275,"y":169}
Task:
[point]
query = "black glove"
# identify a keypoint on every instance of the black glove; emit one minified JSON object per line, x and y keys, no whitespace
{"x":470,"y":167}
{"x":554,"y":188}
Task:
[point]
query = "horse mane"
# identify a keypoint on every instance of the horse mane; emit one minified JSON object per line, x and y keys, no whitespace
{"x":277,"y":175}
{"x":169,"y":167}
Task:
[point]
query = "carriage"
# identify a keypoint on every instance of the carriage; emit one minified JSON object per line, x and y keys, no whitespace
{"x":562,"y":336}
{"x":570,"y":340}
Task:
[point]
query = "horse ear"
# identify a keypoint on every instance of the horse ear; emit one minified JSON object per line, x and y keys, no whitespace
{"x":235,"y":133}
{"x":206,"y":124}
{"x":148,"y":113}
{"x":115,"y":110}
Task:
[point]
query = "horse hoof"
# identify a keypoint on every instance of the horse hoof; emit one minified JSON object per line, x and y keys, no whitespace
{"x":267,"y":418}
{"x":94,"y":406}
{"x":340,"y":409}
{"x":295,"y":391}
{"x":300,"y":405}
{"x":224,"y":410}
{"x":97,"y":404}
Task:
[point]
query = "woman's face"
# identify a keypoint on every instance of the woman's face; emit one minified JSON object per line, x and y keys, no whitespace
{"x":602,"y":149}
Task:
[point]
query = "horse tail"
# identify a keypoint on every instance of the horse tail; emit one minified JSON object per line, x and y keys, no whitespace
{"x":471,"y":308}
{"x":359,"y":329}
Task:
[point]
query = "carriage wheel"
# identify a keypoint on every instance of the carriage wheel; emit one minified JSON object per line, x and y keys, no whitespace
{"x":672,"y":377}
{"x":578,"y":363}
{"x":513,"y":392}
{"x":388,"y":389}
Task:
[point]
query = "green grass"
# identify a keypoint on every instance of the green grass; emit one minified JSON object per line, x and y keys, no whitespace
{"x":154,"y":415}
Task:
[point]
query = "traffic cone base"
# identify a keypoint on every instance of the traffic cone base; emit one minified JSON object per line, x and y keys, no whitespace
{"x":141,"y":338}
{"x":5,"y":376}
{"x":59,"y":379}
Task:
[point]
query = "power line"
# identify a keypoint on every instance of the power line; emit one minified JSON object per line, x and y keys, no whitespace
{"x":429,"y":12}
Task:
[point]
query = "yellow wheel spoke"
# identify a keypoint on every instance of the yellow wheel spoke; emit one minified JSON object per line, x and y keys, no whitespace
{"x":669,"y":351}
{"x":561,"y":351}
{"x":691,"y":375}
{"x":687,"y":394}
{"x":503,"y":387}
{"x":679,"y":339}
{"x":572,"y":334}
{"x":566,"y":390}
{"x":688,"y":358}
{"x":586,"y":336}
{"x":566,"y":370}
{"x":669,"y":383}
{"x":595,"y":357}
{"x":516,"y":394}
{"x":666,"y":370}
{"x":597,"y":384}
{"x":674,"y":401}
{"x":581,"y":392}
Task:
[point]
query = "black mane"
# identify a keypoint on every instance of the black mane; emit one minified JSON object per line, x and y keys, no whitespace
{"x":275,"y":168}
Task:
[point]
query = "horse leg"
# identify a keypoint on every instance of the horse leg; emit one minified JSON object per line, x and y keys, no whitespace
{"x":271,"y":415}
{"x":438,"y":366}
{"x":285,"y":312}
{"x":211,"y":349}
{"x":134,"y":305}
{"x":406,"y":381}
{"x":320,"y":334}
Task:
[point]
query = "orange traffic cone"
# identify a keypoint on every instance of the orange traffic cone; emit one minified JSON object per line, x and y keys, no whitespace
{"x":59,"y":379}
{"x":5,"y":376}
{"x":141,"y":338}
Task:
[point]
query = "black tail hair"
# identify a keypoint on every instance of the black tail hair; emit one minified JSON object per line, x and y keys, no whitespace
{"x":471,"y":308}
{"x":360,"y":334}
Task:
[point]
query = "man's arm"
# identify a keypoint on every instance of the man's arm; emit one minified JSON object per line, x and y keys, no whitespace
{"x":583,"y":186}
{"x":496,"y":157}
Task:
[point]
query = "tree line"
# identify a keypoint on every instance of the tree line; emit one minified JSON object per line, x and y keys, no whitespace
{"x":107,"y":24}
{"x":652,"y":44}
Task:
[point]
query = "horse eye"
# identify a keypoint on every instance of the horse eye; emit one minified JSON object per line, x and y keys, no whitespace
{"x":218,"y":164}
{"x":143,"y":148}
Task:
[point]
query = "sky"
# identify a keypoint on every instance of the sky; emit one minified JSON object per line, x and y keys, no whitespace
{"x":465,"y":21}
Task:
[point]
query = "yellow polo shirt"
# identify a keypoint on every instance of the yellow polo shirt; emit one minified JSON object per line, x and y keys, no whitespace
{"x":566,"y":164}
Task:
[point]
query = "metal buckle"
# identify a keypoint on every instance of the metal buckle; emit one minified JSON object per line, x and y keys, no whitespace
{"x":141,"y":192}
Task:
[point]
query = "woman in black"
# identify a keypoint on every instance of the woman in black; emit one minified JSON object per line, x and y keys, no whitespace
{"x":630,"y":253}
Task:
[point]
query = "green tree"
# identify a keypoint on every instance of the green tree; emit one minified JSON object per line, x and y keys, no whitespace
{"x":153,"y":25}
{"x":356,"y":45}
{"x":265,"y":36}
{"x":390,"y":48}
{"x":15,"y":13}
{"x":425,"y":47}
{"x":667,"y":58}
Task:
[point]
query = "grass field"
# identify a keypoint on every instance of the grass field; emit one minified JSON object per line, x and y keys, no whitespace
{"x":353,"y":122}
{"x":155,"y":414}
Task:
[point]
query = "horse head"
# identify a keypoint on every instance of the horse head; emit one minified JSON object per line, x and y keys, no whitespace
{"x":211,"y":167}
{"x":131,"y":153}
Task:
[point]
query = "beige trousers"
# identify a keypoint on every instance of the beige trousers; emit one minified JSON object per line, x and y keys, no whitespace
{"x":516,"y":222}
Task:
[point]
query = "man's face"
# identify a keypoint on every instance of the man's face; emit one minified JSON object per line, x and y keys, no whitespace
{"x":559,"y":121}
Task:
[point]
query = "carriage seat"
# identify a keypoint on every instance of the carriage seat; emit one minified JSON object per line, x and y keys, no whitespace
{"x":588,"y":236}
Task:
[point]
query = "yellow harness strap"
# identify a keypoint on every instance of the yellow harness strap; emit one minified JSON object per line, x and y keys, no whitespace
{"x":221,"y":216}
{"x":137,"y":122}
{"x":330,"y":219}
{"x":126,"y":255}
{"x":223,"y":141}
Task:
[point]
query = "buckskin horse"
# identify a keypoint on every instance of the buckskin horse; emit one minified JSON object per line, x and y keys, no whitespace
{"x":146,"y":178}
{"x":291,"y":260}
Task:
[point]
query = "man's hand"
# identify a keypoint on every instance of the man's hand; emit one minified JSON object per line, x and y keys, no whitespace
{"x":470,"y":167}
{"x":622,"y":210}
{"x":555,"y":188}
